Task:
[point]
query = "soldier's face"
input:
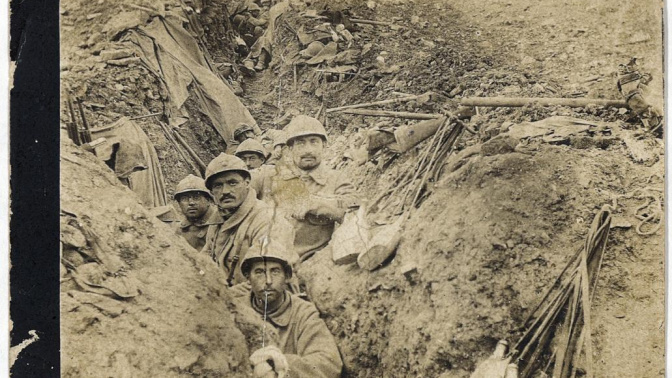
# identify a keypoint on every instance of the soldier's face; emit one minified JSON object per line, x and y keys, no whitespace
{"x":230,"y":190}
{"x":251,"y":159}
{"x":193,"y":204}
{"x":268,"y":280}
{"x":307,"y":151}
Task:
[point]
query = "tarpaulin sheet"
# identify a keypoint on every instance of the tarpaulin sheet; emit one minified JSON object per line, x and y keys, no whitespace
{"x":148,"y":184}
{"x":174,"y":55}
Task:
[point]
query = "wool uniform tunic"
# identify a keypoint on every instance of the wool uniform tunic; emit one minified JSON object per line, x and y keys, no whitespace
{"x":195,"y":232}
{"x":287,"y":187}
{"x":304,"y":339}
{"x":228,"y":240}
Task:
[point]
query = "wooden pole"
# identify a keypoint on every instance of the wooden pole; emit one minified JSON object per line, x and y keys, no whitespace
{"x":170,"y":137}
{"x":190,"y":151}
{"x":524,"y":101}
{"x":77,"y":139}
{"x":387,"y":113}
{"x":86,"y":134}
{"x":370,"y":22}
{"x":145,"y":116}
{"x":378,"y":103}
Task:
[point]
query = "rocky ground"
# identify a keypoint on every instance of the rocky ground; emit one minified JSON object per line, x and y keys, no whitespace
{"x":500,"y":222}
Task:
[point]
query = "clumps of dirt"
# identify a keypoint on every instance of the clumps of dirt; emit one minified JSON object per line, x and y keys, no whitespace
{"x":136,"y":299}
{"x":488,"y":241}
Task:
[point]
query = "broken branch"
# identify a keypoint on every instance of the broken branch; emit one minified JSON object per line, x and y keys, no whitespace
{"x":387,"y":113}
{"x":524,"y":101}
{"x":378,"y":103}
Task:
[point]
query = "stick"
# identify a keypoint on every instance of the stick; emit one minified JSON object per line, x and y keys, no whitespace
{"x":177,"y":147}
{"x":77,"y":139}
{"x":431,"y":161}
{"x":295,"y":79}
{"x":86,"y":134}
{"x":524,"y":101}
{"x":377,"y":103}
{"x":145,"y":116}
{"x":387,"y":113}
{"x":370,"y":22}
{"x":356,"y":21}
{"x":190,"y":151}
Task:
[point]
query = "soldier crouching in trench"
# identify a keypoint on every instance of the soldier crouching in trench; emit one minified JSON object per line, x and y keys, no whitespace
{"x":314,"y":196}
{"x":196,"y":205}
{"x":305,"y":347}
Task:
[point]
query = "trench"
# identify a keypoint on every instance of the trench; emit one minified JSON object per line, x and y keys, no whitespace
{"x":486,"y":238}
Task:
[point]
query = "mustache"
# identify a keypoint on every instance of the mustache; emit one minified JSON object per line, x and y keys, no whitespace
{"x":308,"y":156}
{"x":227,"y":196}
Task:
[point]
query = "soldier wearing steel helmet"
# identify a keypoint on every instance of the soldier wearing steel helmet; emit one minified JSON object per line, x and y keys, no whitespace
{"x":313,"y":195}
{"x":240,"y":218}
{"x":195,"y":202}
{"x":305,"y":347}
{"x":252,"y":153}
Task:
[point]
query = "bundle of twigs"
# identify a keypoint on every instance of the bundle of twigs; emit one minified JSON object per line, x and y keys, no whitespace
{"x":558,"y":330}
{"x":409,"y":187}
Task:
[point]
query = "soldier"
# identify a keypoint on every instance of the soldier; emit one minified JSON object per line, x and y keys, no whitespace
{"x":305,"y":347}
{"x":279,"y":149}
{"x":313,"y":195}
{"x":243,"y":132}
{"x":196,"y":204}
{"x":252,"y":153}
{"x":241,"y":218}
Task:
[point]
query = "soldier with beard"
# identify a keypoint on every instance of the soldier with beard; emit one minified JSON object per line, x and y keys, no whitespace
{"x":311,"y":194}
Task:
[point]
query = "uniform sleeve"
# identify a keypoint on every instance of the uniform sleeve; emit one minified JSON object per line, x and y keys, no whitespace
{"x":208,"y":248}
{"x":318,"y":354}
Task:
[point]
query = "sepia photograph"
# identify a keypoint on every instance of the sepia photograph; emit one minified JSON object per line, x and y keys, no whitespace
{"x":381,"y":188}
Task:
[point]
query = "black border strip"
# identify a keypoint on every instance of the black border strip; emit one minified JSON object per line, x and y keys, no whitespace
{"x":34,"y":185}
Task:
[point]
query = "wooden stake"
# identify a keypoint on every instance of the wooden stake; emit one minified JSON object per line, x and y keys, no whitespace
{"x":170,"y":137}
{"x":77,"y":139}
{"x":524,"y":101}
{"x":378,"y":103}
{"x":387,"y":113}
{"x":190,"y":151}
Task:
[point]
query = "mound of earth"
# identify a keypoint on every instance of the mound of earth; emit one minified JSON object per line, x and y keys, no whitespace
{"x":136,"y":299}
{"x":493,"y":235}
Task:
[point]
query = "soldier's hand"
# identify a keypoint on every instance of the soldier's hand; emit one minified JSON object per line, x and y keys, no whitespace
{"x":267,"y":354}
{"x":300,"y":211}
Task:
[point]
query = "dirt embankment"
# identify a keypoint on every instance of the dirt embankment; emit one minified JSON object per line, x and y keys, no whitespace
{"x":168,"y":313}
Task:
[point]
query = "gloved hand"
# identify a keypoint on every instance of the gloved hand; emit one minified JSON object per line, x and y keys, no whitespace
{"x":321,"y":211}
{"x":270,"y":353}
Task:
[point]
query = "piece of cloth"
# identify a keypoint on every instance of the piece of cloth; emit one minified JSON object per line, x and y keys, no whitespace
{"x":304,"y":339}
{"x":287,"y":188}
{"x":195,"y":232}
{"x":171,"y":53}
{"x":135,"y":150}
{"x":228,"y":240}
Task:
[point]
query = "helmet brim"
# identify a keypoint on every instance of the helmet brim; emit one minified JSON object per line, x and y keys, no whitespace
{"x":246,"y":266}
{"x":208,"y":182}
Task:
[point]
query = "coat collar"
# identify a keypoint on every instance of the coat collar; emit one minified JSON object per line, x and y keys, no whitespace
{"x":204,"y":221}
{"x":237,"y":217}
{"x":281,"y":316}
{"x":290,"y":171}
